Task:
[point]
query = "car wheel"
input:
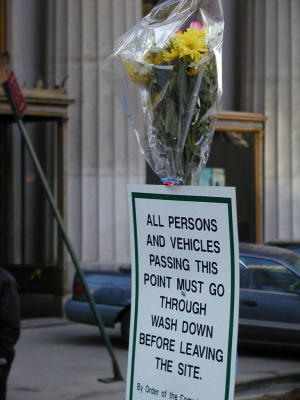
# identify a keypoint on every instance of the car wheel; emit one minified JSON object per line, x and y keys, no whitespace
{"x":125,"y":323}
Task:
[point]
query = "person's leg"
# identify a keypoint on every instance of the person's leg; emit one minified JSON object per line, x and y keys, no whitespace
{"x":3,"y":363}
{"x":4,"y":372}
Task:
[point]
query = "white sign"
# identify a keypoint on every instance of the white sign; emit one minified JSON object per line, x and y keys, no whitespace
{"x":185,"y":293}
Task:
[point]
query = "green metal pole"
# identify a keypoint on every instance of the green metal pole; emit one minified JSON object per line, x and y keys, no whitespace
{"x":33,"y":156}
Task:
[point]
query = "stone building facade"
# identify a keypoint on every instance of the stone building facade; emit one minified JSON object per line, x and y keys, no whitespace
{"x":67,"y":40}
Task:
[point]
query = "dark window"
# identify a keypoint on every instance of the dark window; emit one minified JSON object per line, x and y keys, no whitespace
{"x":234,"y":152}
{"x":244,"y":277}
{"x":267,"y":275}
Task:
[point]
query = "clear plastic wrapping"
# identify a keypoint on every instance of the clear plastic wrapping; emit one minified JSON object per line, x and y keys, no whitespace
{"x":167,"y":73}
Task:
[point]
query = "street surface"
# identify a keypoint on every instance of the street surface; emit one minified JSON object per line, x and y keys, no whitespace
{"x":64,"y":362}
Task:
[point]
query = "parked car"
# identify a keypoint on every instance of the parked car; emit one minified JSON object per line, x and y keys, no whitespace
{"x":294,"y":246}
{"x":112,"y":293}
{"x":269,"y":296}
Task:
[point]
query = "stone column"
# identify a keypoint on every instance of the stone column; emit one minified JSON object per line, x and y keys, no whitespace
{"x":25,"y":32}
{"x":55,"y":39}
{"x":103,"y":154}
{"x":60,"y":38}
{"x":271,"y":86}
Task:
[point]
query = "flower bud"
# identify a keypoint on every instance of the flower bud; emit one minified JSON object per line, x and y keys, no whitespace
{"x":196,"y":25}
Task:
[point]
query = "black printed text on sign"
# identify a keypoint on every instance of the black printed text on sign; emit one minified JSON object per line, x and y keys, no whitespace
{"x":185,"y":293}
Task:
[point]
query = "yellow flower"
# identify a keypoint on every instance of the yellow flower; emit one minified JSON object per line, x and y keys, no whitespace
{"x":154,"y":58}
{"x":158,"y":58}
{"x":173,"y":53}
{"x":133,"y":74}
{"x":148,"y":58}
{"x":193,"y":72}
{"x":192,"y":43}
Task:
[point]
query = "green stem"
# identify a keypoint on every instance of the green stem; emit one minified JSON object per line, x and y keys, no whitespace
{"x":181,"y":95}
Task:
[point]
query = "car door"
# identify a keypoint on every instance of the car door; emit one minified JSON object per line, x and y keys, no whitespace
{"x":269,"y":310}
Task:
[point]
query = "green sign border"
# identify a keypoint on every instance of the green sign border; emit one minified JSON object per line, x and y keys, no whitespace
{"x":190,"y":198}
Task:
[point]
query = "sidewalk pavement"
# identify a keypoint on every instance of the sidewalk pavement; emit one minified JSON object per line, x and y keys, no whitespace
{"x":59,"y":360}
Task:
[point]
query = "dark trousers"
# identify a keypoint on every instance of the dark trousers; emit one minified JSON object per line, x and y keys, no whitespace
{"x":4,"y":371}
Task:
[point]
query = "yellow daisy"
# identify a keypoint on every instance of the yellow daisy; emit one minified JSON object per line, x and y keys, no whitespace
{"x":193,"y":72}
{"x":148,"y":58}
{"x":154,"y":58}
{"x":192,"y":43}
{"x":133,"y":74}
{"x":158,"y":58}
{"x":173,"y":53}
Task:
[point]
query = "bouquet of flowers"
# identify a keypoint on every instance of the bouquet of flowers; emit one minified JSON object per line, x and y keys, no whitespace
{"x":166,"y":71}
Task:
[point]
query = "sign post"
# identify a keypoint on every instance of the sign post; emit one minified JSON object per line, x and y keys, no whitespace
{"x":18,"y":105}
{"x":185,"y":293}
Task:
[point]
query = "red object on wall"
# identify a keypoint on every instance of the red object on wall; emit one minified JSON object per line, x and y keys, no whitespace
{"x":16,"y":94}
